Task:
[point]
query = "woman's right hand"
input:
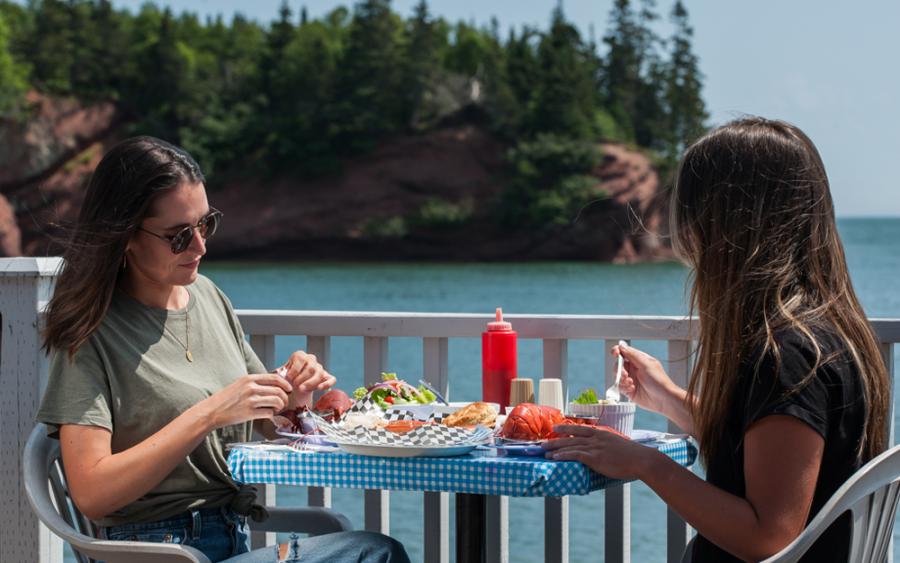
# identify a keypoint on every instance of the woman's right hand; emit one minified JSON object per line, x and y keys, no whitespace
{"x":645,"y":381}
{"x":250,"y":397}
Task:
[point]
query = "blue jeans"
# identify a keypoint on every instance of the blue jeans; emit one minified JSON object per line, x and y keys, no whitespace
{"x":223,"y":535}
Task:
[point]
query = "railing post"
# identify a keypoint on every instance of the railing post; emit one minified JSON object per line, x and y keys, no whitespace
{"x":377,"y":502}
{"x":887,"y":352}
{"x":264,"y":346}
{"x":436,"y":544}
{"x":617,"y":500}
{"x":678,"y":533}
{"x":320,"y":347}
{"x":556,"y":510}
{"x":26,"y":284}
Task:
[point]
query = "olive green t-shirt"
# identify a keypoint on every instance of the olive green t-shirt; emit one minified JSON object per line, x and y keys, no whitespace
{"x":132,"y":377}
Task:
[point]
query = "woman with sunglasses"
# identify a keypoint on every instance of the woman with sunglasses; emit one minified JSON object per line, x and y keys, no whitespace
{"x":789,"y":394}
{"x":151,"y":377}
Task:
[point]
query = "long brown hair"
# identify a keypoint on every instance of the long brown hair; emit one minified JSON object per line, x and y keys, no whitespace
{"x":752,"y":215}
{"x":118,"y":196}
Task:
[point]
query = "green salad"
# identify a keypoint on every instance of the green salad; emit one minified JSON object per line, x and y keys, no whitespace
{"x":391,"y":391}
{"x":587,"y":397}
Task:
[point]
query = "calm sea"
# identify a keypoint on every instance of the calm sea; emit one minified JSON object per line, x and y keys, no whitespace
{"x":563,"y":288}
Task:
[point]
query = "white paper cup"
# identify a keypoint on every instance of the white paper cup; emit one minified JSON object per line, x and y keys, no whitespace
{"x":618,"y":416}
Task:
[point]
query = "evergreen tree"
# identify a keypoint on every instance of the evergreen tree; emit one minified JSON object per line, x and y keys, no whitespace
{"x":521,"y":68}
{"x":503,"y":109}
{"x":421,"y":59}
{"x":279,"y":37}
{"x":368,"y":79}
{"x":12,"y":75}
{"x":164,"y":70}
{"x":291,"y":96}
{"x":51,"y":47}
{"x":649,"y":102}
{"x":468,"y":50}
{"x":100,"y":50}
{"x":687,"y":111}
{"x":621,"y":79}
{"x":563,"y":98}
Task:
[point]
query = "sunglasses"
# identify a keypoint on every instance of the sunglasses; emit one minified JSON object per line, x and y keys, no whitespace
{"x":181,"y":240}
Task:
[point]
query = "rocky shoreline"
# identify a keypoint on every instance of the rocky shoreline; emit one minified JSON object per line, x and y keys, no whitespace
{"x":45,"y":161}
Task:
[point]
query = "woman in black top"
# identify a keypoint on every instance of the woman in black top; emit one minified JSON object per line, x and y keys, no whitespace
{"x":789,"y":394}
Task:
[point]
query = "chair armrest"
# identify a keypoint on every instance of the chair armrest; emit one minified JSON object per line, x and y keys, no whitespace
{"x":140,"y":552}
{"x":304,"y":520}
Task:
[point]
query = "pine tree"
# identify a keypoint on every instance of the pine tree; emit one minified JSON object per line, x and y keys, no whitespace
{"x":12,"y":75}
{"x":370,"y":105}
{"x":521,"y":66}
{"x":163,"y":71}
{"x":621,"y":79}
{"x":649,"y":108}
{"x":421,"y":59}
{"x":563,"y":101}
{"x":687,"y":111}
{"x":51,"y":47}
{"x":279,"y":37}
{"x":100,"y":50}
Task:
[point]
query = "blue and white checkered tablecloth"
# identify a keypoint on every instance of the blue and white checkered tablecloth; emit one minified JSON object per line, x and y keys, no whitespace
{"x":479,"y":472}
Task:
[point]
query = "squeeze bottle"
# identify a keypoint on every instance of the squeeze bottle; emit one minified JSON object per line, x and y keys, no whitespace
{"x":498,"y":361}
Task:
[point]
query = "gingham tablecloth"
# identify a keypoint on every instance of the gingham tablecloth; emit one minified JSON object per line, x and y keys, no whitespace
{"x":479,"y":472}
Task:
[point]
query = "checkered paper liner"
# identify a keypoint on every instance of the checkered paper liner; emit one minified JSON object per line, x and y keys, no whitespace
{"x":399,"y":413}
{"x":476,"y":473}
{"x":366,"y":406}
{"x":426,"y":435}
{"x":391,"y":414}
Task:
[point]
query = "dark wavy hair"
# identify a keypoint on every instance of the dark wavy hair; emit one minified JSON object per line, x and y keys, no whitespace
{"x":121,"y":190}
{"x":752,"y":215}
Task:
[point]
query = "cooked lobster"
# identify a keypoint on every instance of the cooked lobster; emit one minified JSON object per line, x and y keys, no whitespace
{"x":332,"y":405}
{"x":535,"y":422}
{"x":531,"y":422}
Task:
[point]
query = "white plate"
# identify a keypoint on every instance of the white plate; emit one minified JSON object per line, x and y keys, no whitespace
{"x":405,"y":451}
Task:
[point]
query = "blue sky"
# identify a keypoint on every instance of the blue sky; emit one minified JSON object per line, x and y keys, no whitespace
{"x":829,"y":67}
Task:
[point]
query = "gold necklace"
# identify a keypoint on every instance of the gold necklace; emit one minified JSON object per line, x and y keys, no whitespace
{"x":187,"y":335}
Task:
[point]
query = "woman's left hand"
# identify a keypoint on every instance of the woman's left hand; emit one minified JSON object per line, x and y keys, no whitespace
{"x":604,"y":452}
{"x":305,"y":374}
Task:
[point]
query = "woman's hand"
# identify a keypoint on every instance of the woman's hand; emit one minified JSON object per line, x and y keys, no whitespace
{"x":645,"y":381}
{"x":604,"y":452}
{"x":250,"y":397}
{"x":305,"y":374}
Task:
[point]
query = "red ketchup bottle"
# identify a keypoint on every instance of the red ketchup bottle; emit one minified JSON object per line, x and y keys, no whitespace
{"x":498,"y":361}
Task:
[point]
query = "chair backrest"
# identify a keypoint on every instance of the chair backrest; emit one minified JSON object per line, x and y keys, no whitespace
{"x":44,"y":475}
{"x":871,"y":496}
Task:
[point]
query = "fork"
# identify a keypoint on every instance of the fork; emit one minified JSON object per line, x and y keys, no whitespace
{"x":612,"y":394}
{"x":437,"y":393}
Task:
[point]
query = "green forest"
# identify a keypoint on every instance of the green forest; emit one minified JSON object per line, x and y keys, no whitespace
{"x":300,"y":95}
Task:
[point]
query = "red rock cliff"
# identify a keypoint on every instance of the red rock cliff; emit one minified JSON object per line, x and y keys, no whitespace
{"x":45,"y":161}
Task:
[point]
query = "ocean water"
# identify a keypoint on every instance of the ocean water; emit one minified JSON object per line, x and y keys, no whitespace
{"x":559,"y":288}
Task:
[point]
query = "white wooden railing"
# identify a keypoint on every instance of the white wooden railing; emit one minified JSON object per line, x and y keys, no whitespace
{"x":26,"y":285}
{"x":555,"y":331}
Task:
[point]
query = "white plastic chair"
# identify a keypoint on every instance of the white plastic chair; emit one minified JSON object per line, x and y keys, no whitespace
{"x":871,"y":496}
{"x":44,"y":476}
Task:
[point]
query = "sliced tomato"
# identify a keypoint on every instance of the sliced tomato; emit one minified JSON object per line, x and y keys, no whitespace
{"x":389,"y":400}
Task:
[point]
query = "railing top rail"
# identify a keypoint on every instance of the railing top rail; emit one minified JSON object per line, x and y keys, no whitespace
{"x":469,"y":325}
